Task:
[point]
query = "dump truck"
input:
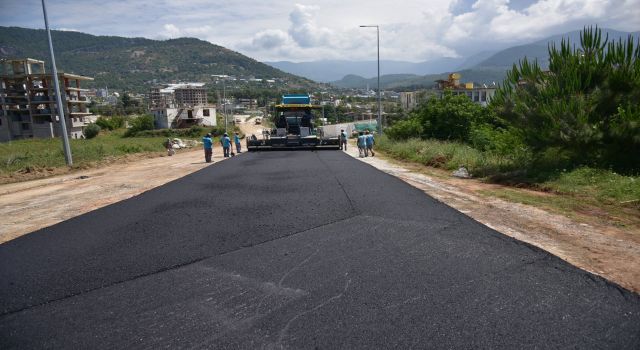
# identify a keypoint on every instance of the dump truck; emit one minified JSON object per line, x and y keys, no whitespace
{"x":294,"y":128}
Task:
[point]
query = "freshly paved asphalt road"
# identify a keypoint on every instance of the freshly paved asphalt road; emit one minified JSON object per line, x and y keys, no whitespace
{"x":297,"y":250}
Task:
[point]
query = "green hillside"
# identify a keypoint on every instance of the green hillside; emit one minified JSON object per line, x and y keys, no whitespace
{"x":489,"y":70}
{"x":127,"y":63}
{"x":401,"y":82}
{"x":539,"y":50}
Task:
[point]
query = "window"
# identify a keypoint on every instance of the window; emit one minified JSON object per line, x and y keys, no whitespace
{"x":205,"y":112}
{"x":25,"y":126}
{"x":483,"y":96}
{"x":189,"y":114}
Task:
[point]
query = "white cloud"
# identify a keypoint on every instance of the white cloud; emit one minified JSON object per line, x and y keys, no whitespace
{"x":328,"y":29}
{"x":172,"y":31}
{"x":270,"y":39}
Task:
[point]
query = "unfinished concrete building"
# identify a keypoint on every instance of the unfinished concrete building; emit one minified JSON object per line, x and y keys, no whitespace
{"x":191,"y":96}
{"x":160,"y":97}
{"x":28,"y":101}
{"x":181,"y":106}
{"x":178,"y":95}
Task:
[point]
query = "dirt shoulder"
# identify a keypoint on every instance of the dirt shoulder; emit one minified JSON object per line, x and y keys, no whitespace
{"x":28,"y":206}
{"x":586,"y":241}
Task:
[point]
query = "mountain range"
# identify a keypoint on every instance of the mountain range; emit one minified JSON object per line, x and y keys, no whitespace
{"x":483,"y":68}
{"x":130,"y":63}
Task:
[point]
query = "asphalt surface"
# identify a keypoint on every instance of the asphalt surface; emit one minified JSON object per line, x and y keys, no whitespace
{"x":297,"y":250}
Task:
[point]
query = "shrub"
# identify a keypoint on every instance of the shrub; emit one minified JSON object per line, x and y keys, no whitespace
{"x":405,"y":129}
{"x":138,"y":124}
{"x":217,"y":130}
{"x":195,"y":131}
{"x":111,"y":123}
{"x":92,"y":130}
{"x":449,"y":118}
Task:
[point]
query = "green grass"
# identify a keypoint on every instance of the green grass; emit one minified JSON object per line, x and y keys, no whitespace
{"x":447,"y":155}
{"x":603,"y":185}
{"x":31,"y":155}
{"x":596,"y":192}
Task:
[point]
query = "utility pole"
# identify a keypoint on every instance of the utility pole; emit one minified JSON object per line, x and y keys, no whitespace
{"x":379,"y":98}
{"x":224,"y":102}
{"x":63,"y":122}
{"x":322,"y":104}
{"x":379,"y":101}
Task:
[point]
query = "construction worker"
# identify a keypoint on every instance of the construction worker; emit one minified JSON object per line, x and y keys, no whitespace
{"x":169,"y":145}
{"x":226,"y":144}
{"x":361,"y":144}
{"x":207,"y":143}
{"x":343,"y":140}
{"x":236,"y":140}
{"x":369,"y":141}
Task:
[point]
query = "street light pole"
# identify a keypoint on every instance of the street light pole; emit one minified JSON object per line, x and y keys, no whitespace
{"x":224,"y":102}
{"x":63,"y":123}
{"x":379,"y":98}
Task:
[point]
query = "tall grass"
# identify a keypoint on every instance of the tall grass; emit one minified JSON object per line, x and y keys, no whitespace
{"x":29,"y":155}
{"x":599,"y":185}
{"x":448,"y":155}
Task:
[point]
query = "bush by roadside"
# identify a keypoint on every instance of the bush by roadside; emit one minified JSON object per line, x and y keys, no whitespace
{"x":111,"y":123}
{"x":599,"y":185}
{"x":195,"y":132}
{"x":92,"y":130}
{"x":141,"y":123}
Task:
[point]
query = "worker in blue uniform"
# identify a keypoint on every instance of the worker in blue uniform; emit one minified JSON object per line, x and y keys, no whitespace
{"x":226,"y":144}
{"x":207,"y":143}
{"x":236,"y":140}
{"x":369,"y":142}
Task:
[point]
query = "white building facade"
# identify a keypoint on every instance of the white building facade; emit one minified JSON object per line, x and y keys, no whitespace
{"x":169,"y":118}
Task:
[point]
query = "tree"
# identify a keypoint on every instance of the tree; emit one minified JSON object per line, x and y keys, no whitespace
{"x":449,"y":118}
{"x":585,"y":106}
{"x":126,"y":100}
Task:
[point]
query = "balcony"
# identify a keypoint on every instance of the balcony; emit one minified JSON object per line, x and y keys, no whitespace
{"x":77,"y":122}
{"x":82,"y":99}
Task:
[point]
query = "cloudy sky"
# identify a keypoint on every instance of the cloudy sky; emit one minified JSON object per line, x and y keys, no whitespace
{"x":410,"y":30}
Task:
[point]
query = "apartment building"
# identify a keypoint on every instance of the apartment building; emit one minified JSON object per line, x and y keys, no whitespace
{"x":28,"y":101}
{"x":177,"y":95}
{"x":181,"y":106}
{"x":478,"y":94}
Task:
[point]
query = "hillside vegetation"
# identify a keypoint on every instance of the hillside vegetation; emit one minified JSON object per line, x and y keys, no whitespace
{"x":127,"y":63}
{"x":581,"y":117}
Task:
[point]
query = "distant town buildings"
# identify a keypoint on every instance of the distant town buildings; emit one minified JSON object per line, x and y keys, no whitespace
{"x":478,"y":94}
{"x":181,"y":106}
{"x":27,"y":98}
{"x":102,"y":93}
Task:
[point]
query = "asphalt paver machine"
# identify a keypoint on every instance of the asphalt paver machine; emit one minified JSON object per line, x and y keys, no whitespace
{"x":294,"y":128}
